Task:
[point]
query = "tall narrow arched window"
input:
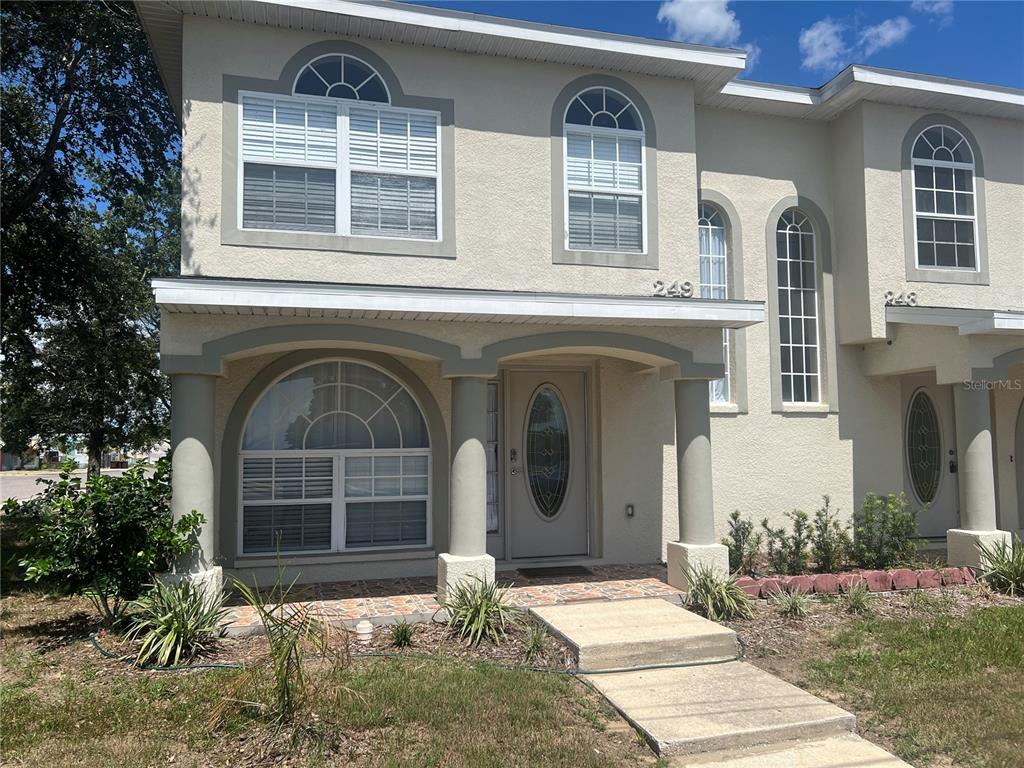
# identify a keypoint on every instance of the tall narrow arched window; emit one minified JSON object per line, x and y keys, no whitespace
{"x":944,"y":200}
{"x":799,"y":354}
{"x":714,"y":282}
{"x":604,"y":173}
{"x":334,"y":456}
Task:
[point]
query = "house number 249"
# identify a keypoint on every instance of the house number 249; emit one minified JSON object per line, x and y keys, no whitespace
{"x":676,"y":289}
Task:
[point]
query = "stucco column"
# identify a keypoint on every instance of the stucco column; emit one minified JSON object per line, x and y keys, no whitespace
{"x":192,"y":482}
{"x":696,"y":546}
{"x":977,"y":477}
{"x":468,"y":556}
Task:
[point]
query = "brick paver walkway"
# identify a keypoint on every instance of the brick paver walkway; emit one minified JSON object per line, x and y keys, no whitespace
{"x":414,"y":597}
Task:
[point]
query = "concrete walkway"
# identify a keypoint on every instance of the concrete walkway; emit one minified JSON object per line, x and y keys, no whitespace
{"x":677,"y":678}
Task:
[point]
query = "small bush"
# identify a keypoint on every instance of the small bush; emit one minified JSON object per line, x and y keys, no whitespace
{"x":1003,"y":566}
{"x":175,"y":622}
{"x":830,"y":541}
{"x":882,"y":531}
{"x":107,"y":538}
{"x":536,"y":641}
{"x":744,"y":544}
{"x":858,"y":600}
{"x":716,"y":598}
{"x":792,"y":603}
{"x":788,"y":553}
{"x":401,"y":634}
{"x":478,"y":609}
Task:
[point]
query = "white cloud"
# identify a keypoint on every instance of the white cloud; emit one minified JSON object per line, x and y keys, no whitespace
{"x":822,"y":45}
{"x":709,"y":22}
{"x":706,"y":22}
{"x":942,"y":10}
{"x":884,"y":35}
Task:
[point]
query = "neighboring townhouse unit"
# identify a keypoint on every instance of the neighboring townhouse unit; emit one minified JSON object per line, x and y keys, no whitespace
{"x":458,"y":289}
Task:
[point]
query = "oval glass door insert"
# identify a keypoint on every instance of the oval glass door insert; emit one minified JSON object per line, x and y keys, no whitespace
{"x":547,"y":451}
{"x":924,"y":449}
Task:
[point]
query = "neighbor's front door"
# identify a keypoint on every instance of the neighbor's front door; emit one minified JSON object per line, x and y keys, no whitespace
{"x":546,"y":463}
{"x":929,"y":449}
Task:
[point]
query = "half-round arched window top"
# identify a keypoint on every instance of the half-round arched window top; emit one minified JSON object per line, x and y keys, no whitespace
{"x":603,"y":108}
{"x":709,"y":216}
{"x":340,"y":76}
{"x":794,"y":221}
{"x":942,"y":143}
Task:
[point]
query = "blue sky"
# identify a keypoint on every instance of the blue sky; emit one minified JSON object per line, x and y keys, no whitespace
{"x":806,"y":43}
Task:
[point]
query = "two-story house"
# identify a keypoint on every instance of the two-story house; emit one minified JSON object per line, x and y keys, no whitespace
{"x":458,"y":289}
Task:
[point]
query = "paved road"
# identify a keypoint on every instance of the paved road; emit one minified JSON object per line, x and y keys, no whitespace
{"x":23,"y":485}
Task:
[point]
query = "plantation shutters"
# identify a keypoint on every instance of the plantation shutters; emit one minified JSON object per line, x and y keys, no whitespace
{"x":339,"y":168}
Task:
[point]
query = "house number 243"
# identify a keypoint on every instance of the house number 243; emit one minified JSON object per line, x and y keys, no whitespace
{"x":676,"y":289}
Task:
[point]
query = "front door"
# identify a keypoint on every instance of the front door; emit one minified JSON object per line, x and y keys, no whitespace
{"x":546,"y":463}
{"x":929,"y":449}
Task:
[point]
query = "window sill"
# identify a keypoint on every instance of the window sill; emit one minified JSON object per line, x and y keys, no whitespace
{"x":804,"y":408}
{"x":328,"y":558}
{"x":623,"y":259}
{"x":724,"y":408}
{"x":322,"y":241}
{"x":948,"y":275}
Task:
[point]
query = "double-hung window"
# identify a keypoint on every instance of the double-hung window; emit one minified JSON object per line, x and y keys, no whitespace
{"x":944,"y":204}
{"x":333,"y":159}
{"x":604,"y":173}
{"x":714,"y":282}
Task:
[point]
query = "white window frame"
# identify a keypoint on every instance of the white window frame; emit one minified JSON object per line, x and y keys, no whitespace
{"x":933,"y":163}
{"x":818,"y":376}
{"x":568,"y":128}
{"x":726,"y":346}
{"x":342,"y":166}
{"x":338,"y":500}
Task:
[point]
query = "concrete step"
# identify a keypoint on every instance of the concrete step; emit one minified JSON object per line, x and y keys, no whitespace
{"x":843,"y":751}
{"x":691,"y":710}
{"x":621,"y":634}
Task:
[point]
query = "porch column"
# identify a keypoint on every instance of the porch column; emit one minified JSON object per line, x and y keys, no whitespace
{"x":192,"y":483}
{"x":467,"y":539}
{"x":977,"y":477}
{"x":696,"y":546}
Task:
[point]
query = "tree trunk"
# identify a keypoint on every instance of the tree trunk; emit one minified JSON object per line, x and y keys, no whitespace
{"x":95,"y":447}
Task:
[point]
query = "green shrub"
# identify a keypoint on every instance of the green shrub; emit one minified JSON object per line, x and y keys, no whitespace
{"x":743,"y":543}
{"x":478,"y":609}
{"x":106,"y":538}
{"x":858,"y":600}
{"x":830,"y":541}
{"x":536,"y":641}
{"x":882,"y":531}
{"x":792,"y":603}
{"x":1003,"y":565}
{"x":401,"y":634}
{"x":716,"y":598}
{"x":788,"y":553}
{"x":175,"y":622}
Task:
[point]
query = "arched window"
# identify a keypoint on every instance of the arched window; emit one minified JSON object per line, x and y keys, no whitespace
{"x":944,"y":205}
{"x":714,"y":282}
{"x":799,"y":356}
{"x":604,"y":173}
{"x":342,"y":77}
{"x":335,"y":456}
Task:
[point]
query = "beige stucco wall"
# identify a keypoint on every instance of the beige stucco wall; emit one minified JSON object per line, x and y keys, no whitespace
{"x":502,"y":179}
{"x":1002,"y":148}
{"x":1007,"y":402}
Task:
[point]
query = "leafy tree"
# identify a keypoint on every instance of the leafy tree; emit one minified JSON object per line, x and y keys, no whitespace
{"x":88,"y":213}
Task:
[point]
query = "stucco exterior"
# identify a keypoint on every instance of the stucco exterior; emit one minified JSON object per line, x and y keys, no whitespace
{"x":501,"y":182}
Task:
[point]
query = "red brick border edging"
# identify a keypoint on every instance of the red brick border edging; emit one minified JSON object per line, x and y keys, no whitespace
{"x":875,"y":581}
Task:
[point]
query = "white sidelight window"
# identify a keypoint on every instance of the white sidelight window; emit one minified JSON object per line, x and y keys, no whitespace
{"x":799,"y":358}
{"x":714,"y":281}
{"x":335,"y":456}
{"x":335,"y":158}
{"x":944,"y":204}
{"x":493,"y":457}
{"x":604,"y":173}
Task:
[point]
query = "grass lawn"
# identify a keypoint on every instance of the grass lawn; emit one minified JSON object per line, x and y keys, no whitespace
{"x":63,"y":704}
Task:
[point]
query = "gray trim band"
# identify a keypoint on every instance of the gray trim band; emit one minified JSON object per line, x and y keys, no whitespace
{"x":559,"y":253}
{"x":231,"y":234}
{"x":938,"y":275}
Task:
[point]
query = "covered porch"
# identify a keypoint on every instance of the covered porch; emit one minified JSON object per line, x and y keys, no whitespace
{"x":528,"y":428}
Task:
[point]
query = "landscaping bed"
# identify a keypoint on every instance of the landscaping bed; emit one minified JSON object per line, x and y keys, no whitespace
{"x":934,"y":675}
{"x":437,"y":702}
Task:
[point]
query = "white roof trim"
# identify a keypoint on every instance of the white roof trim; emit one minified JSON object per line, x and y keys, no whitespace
{"x":224,"y":296}
{"x":968,"y":322}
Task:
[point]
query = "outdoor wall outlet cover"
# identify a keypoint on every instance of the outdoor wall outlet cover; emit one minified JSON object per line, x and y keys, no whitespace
{"x":629,"y":510}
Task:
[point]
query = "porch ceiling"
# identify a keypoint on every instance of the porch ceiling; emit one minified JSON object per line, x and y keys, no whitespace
{"x":968,"y":322}
{"x":212,"y":296}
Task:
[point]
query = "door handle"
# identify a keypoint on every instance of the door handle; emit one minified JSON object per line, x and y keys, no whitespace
{"x":512,"y":457}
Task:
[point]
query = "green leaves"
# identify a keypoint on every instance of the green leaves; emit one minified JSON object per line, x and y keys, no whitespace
{"x":882,"y":531}
{"x":478,"y":609}
{"x":719,"y":599}
{"x":1003,"y":565}
{"x":175,"y":622}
